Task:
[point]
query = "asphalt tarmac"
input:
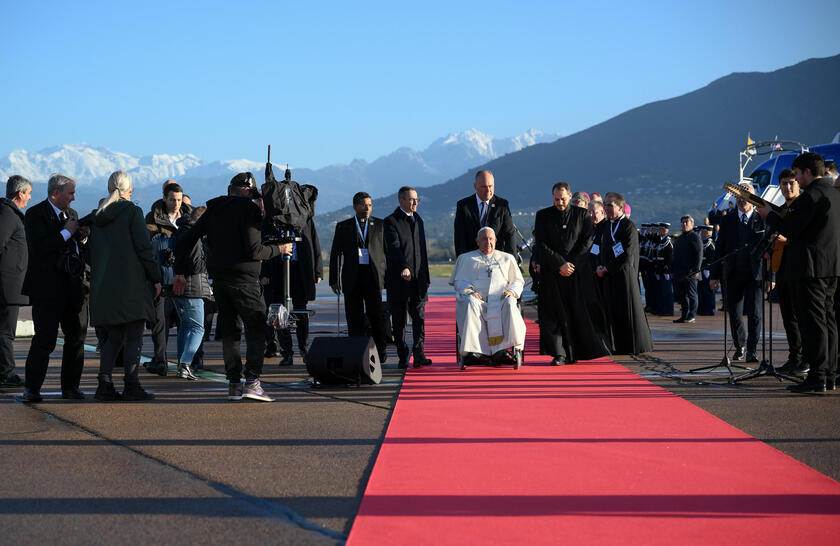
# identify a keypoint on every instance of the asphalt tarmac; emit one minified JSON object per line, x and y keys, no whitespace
{"x":192,"y":467}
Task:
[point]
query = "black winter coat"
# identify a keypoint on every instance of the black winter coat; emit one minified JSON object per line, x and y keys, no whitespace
{"x":14,"y":254}
{"x":406,"y":248}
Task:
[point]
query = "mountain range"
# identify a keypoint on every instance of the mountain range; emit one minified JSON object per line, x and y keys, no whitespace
{"x":90,"y":167}
{"x":667,"y":158}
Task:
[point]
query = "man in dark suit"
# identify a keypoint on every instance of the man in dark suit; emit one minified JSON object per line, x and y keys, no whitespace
{"x":688,"y":256}
{"x":741,"y":233}
{"x":359,"y":244}
{"x":812,"y":228}
{"x":408,"y":280}
{"x":481,"y":209}
{"x":55,"y":288}
{"x":13,"y":259}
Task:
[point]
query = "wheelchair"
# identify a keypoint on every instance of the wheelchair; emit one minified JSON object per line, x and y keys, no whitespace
{"x":518,"y":355}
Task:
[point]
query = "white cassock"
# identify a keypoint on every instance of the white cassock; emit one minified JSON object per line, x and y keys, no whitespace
{"x":493,"y":323}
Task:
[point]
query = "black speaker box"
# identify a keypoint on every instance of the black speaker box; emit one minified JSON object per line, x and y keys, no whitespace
{"x":343,"y":360}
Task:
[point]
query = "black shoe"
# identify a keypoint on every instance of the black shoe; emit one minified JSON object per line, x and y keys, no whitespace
{"x":420,"y":360}
{"x":475,"y":359}
{"x":809,"y":387}
{"x":185,"y":372}
{"x":106,"y":392}
{"x":830,"y":383}
{"x":30,"y":396}
{"x":503,"y":357}
{"x":133,"y":392}
{"x":403,"y":363}
{"x":156,"y":367}
{"x":13,"y":380}
{"x":740,"y":354}
{"x":558,"y":361}
{"x":72,"y":394}
{"x":801,"y":369}
{"x":679,"y":320}
{"x":752,"y":357}
{"x":270,"y":354}
{"x":287,"y":360}
{"x":788,"y":367}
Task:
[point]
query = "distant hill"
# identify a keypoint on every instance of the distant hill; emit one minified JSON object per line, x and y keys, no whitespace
{"x":666,"y":157}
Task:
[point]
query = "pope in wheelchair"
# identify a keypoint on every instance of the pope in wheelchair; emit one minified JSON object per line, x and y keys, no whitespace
{"x":487,"y":284}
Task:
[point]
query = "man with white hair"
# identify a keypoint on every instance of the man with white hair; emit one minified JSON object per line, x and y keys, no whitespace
{"x":487,"y":284}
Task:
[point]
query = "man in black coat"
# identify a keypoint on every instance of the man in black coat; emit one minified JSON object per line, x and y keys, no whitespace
{"x":55,"y":288}
{"x":481,"y":209}
{"x":359,"y":248}
{"x":688,"y":256}
{"x":812,"y":228}
{"x":563,"y":237}
{"x":741,"y":234}
{"x":13,"y":259}
{"x":407,"y":281}
{"x":234,"y":254}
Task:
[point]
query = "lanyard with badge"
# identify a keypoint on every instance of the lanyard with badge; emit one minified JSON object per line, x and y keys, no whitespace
{"x":617,"y":248}
{"x":364,"y":254}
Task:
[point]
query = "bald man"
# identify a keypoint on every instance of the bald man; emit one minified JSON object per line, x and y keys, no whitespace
{"x":484,"y":208}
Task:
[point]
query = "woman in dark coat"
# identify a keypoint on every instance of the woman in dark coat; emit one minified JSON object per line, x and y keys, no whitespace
{"x":619,"y":271}
{"x":123,"y":271}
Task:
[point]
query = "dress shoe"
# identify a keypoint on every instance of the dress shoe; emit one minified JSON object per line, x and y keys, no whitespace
{"x":185,"y":372}
{"x":679,"y":320}
{"x":157,"y":367}
{"x":558,"y":361}
{"x":72,"y":394}
{"x":133,"y":392}
{"x":475,"y":359}
{"x":503,"y":357}
{"x":286,"y":360}
{"x":740,"y":354}
{"x":752,"y":357}
{"x":105,"y":392}
{"x":802,"y":369}
{"x":809,"y":387}
{"x":787,"y":367}
{"x":12,"y":380}
{"x":30,"y":396}
{"x":420,"y":360}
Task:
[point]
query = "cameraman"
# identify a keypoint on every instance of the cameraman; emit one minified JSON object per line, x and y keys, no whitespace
{"x":161,"y":222}
{"x":234,"y":252}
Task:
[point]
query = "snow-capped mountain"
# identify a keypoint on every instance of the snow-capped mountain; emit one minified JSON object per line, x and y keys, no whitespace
{"x":445,"y":158}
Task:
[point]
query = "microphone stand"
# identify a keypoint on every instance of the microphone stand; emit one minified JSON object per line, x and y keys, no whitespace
{"x":765,"y":367}
{"x":725,"y":362}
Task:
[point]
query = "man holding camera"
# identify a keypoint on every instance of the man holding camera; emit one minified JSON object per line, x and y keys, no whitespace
{"x":234,"y":252}
{"x":54,"y":284}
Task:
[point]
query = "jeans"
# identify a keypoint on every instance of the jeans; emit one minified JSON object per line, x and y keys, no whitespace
{"x":191,"y":332}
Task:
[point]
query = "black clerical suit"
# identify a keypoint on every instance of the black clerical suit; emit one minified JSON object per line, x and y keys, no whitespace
{"x":361,"y":283}
{"x":468,"y":220}
{"x":742,"y":276}
{"x":13,"y":260}
{"x":405,"y":241}
{"x":618,"y":251}
{"x":688,"y":256}
{"x":566,"y":327}
{"x":812,"y":227}
{"x":58,"y":298}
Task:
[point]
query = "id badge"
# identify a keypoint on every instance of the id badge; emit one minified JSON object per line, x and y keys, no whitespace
{"x":618,"y":250}
{"x":364,"y":256}
{"x":595,"y":250}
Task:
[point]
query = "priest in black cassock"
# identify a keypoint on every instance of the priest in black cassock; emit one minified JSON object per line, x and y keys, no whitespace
{"x":563,"y":237}
{"x":618,"y":243}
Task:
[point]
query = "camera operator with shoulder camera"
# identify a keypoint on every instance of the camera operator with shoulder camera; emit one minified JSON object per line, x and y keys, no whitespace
{"x":234,"y":252}
{"x":54,"y":284}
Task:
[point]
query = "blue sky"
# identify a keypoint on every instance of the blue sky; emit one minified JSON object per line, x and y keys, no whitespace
{"x":328,"y":82}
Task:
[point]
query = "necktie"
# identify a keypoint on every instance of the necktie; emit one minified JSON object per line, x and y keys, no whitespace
{"x":63,"y":217}
{"x":744,"y":219}
{"x":483,"y":218}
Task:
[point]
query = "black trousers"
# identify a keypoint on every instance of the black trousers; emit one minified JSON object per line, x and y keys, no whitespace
{"x":165,"y":315}
{"x":365,"y":299}
{"x":705,"y":298}
{"x":126,"y":340}
{"x":815,"y":311}
{"x":241,"y":304}
{"x":8,"y":326}
{"x":70,"y":311}
{"x":786,"y":291}
{"x":415,"y":307}
{"x":687,"y":294}
{"x":744,"y":295}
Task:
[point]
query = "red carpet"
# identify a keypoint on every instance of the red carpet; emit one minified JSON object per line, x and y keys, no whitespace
{"x":583,"y":454}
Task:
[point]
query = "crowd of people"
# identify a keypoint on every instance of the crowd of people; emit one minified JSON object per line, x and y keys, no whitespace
{"x":122,"y":272}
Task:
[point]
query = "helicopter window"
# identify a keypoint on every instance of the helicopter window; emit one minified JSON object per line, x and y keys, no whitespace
{"x":761,"y":178}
